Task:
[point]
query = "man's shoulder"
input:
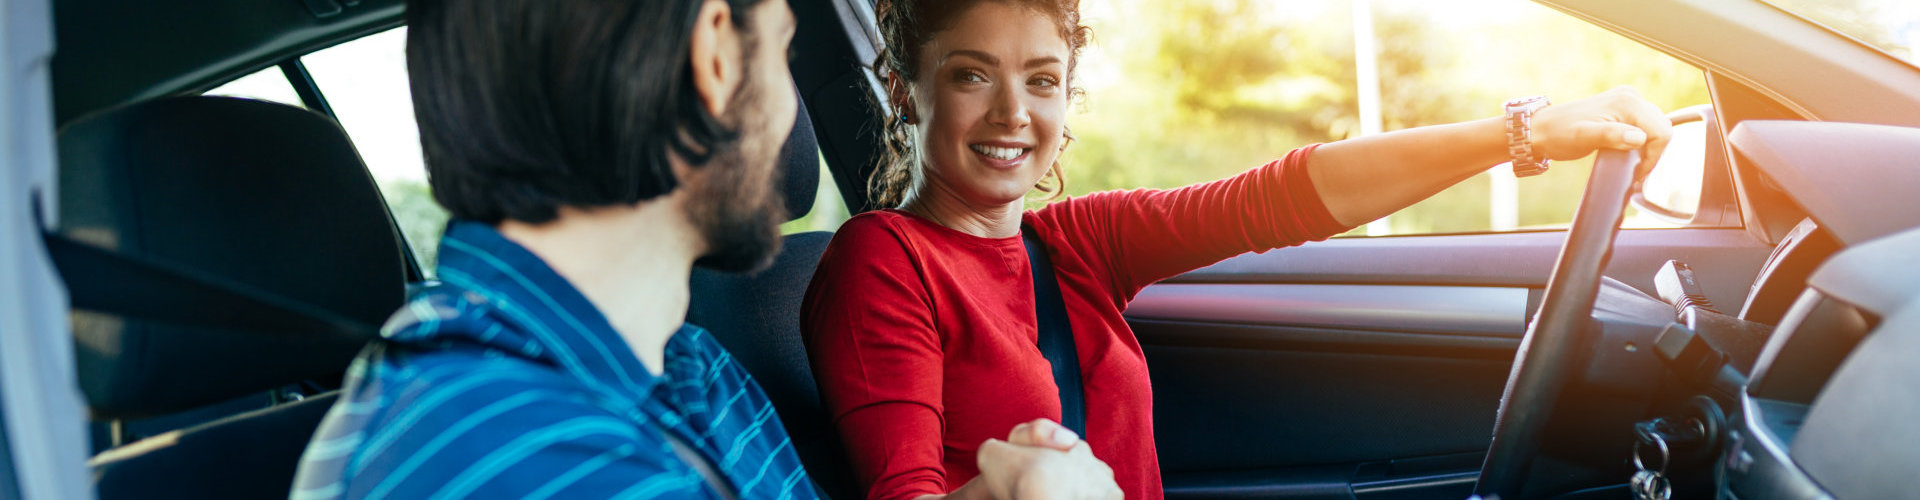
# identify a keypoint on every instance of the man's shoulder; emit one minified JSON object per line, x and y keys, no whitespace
{"x":452,"y":421}
{"x":451,"y":381}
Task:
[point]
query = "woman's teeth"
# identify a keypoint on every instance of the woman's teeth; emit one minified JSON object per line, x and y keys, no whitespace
{"x":1002,"y":154}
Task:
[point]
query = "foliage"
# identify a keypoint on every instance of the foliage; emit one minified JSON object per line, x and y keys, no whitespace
{"x":1189,"y":91}
{"x":419,"y":217}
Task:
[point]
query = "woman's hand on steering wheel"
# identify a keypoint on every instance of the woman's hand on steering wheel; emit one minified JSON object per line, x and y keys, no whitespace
{"x":1616,"y":119}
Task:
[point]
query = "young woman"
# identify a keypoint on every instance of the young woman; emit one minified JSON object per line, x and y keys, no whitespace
{"x":920,"y":320}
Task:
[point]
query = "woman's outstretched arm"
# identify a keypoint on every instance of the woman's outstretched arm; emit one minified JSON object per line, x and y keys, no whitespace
{"x":1367,"y":178}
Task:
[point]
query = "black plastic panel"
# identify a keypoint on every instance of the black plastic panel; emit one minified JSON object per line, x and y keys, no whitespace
{"x":1786,"y":272}
{"x":1329,"y":482}
{"x":116,"y":52}
{"x":1813,"y":339}
{"x":1226,"y":409}
{"x":1756,"y":466}
{"x":1622,"y":359}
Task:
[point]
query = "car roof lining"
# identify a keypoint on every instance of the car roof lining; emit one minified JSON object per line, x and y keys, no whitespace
{"x":115,"y":53}
{"x":112,"y":53}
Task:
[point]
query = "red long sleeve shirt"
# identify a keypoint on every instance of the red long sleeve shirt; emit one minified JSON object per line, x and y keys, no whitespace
{"x":923,"y":337}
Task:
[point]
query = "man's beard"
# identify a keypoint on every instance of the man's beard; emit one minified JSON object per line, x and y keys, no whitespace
{"x":738,"y":207}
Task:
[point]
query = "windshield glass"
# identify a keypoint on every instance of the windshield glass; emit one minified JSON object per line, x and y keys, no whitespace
{"x":1892,"y":26}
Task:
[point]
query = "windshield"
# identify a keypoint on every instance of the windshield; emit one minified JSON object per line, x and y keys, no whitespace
{"x":1892,"y":26}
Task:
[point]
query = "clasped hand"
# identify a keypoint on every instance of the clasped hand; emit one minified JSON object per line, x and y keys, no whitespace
{"x":1040,"y":460}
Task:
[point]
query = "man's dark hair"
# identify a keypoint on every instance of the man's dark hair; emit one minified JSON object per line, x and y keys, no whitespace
{"x":525,"y":106}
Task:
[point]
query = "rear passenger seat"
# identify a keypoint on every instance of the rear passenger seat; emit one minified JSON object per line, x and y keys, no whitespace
{"x":268,"y":198}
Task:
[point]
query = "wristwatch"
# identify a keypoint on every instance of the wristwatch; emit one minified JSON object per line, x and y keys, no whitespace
{"x":1526,"y":160}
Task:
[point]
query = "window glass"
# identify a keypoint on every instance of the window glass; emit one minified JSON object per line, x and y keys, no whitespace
{"x":828,"y":209}
{"x":1892,"y":26}
{"x":267,"y":85}
{"x":1180,"y":92}
{"x":365,"y":82}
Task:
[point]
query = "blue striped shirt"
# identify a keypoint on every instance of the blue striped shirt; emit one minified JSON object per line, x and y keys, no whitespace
{"x":503,"y":381}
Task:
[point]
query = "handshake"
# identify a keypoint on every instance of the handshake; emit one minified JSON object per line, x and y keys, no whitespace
{"x":1041,"y":460}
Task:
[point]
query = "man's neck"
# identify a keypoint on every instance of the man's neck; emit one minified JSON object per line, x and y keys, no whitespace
{"x":632,"y":263}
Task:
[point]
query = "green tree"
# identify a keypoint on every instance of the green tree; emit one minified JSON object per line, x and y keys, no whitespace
{"x":1187,"y":91}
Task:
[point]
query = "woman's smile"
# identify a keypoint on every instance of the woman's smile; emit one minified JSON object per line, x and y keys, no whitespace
{"x":1001,"y":155}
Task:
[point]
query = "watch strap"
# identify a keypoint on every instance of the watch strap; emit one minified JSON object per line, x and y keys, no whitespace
{"x":1527,"y":160}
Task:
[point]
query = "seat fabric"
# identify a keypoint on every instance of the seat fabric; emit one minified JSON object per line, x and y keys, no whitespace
{"x":757,"y":318}
{"x":250,"y":455}
{"x":263,"y":195}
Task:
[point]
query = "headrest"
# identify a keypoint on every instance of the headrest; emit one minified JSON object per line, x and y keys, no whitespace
{"x":263,"y":195}
{"x":800,"y":158}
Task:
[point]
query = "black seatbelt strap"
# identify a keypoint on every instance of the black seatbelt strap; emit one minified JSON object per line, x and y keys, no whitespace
{"x":700,"y":464}
{"x":105,"y":281}
{"x":1056,"y":335}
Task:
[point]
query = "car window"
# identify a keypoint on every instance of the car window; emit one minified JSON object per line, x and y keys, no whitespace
{"x":1179,"y":92}
{"x":365,"y":82}
{"x":268,"y":84}
{"x":828,"y":212}
{"x":1893,"y":26}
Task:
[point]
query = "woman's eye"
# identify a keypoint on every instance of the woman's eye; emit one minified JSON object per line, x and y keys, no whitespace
{"x":969,"y":77}
{"x":1044,"y":82}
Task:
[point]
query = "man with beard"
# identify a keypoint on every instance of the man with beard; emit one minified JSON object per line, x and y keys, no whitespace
{"x":589,"y":152}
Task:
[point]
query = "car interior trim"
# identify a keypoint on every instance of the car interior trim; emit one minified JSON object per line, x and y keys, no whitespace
{"x":1724,"y":258}
{"x":1428,"y":309}
{"x":1309,"y":339}
{"x":1880,"y":276}
{"x":1852,"y":178}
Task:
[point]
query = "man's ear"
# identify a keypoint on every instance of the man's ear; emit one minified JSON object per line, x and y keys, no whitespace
{"x":901,"y":97}
{"x":715,"y":52}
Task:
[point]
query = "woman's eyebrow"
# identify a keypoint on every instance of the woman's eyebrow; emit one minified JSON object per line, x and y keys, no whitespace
{"x":982,"y":56}
{"x":990,"y":60}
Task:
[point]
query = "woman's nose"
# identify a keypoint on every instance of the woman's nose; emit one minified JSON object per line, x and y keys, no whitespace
{"x":1008,"y":111}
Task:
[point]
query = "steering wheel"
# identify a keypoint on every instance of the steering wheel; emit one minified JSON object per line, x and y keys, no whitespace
{"x":1550,"y":351}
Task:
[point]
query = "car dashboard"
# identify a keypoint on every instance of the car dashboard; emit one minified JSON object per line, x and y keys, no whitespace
{"x":1811,"y":390}
{"x":1831,"y":406}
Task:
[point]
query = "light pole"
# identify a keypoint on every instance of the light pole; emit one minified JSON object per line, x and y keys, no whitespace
{"x":1366,"y":63}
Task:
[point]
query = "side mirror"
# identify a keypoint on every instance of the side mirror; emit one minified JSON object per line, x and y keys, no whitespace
{"x":1671,"y":191}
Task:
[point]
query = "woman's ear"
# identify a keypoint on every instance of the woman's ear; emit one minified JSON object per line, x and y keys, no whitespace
{"x":714,"y":52}
{"x":901,"y":96}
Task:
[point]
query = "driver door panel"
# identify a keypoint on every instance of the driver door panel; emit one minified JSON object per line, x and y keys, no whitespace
{"x":1365,"y":367}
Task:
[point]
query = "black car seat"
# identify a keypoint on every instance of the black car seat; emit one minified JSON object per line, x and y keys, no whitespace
{"x":264,"y":200}
{"x":757,"y":317}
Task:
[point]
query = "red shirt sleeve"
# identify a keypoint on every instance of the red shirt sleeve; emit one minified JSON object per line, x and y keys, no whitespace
{"x":1147,"y":235}
{"x":877,"y":358}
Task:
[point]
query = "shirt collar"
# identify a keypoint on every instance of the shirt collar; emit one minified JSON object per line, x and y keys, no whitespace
{"x":555,"y":323}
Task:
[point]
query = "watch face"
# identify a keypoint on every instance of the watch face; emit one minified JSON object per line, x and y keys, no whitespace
{"x":1532,"y":102}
